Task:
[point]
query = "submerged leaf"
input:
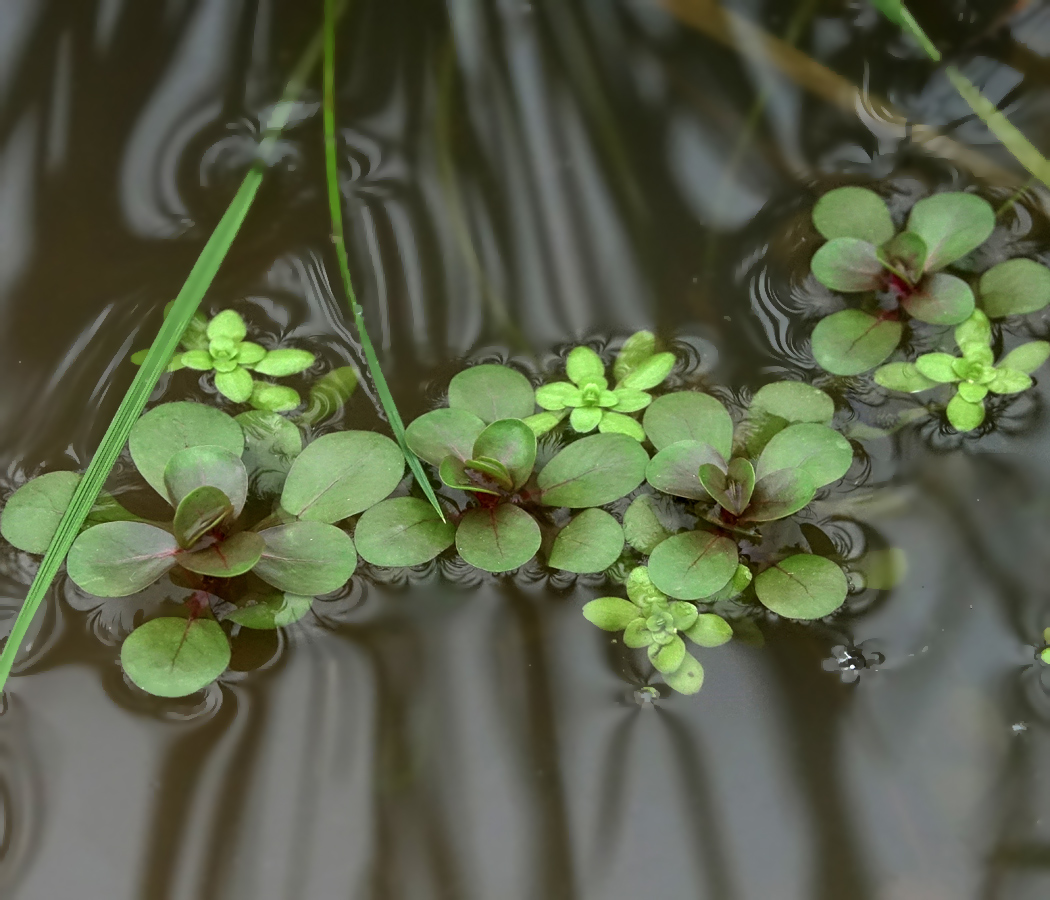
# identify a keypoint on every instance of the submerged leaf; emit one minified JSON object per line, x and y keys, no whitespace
{"x":118,"y":559}
{"x":284,"y":362}
{"x":853,"y":212}
{"x":794,"y":401}
{"x":848,"y":265}
{"x":650,"y":373}
{"x":1014,"y":288}
{"x":710,"y":630}
{"x":271,"y":444}
{"x":803,"y":586}
{"x":306,"y":558}
{"x":173,"y":657}
{"x":499,"y":539}
{"x":591,"y":542}
{"x":328,"y":395}
{"x":851,"y":341}
{"x":689,"y":416}
{"x":402,"y":531}
{"x":636,"y":350}
{"x":267,"y":611}
{"x":274,"y":397}
{"x":643,"y":528}
{"x":492,"y":392}
{"x":952,"y":224}
{"x":693,"y":565}
{"x":593,"y":471}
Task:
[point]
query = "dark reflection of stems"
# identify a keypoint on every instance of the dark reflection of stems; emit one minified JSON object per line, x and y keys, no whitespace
{"x":611,"y":791}
{"x":812,"y":702}
{"x":554,"y":847}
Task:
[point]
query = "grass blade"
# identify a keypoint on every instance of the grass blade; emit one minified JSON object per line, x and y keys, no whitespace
{"x":338,"y":238}
{"x":164,"y":345}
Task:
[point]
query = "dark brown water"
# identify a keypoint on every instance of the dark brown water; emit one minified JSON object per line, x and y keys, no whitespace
{"x":521,"y":175}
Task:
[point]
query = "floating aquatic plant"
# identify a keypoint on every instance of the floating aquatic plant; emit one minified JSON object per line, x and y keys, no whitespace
{"x":974,"y":374}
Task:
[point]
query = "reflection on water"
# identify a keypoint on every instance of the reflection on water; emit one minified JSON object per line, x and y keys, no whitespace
{"x":519,"y":175}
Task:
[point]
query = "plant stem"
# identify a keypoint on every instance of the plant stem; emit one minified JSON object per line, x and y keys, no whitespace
{"x":397,"y":426}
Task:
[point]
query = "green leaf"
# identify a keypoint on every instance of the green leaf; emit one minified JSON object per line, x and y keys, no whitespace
{"x":848,"y":265}
{"x":591,"y":542}
{"x":975,"y":330}
{"x":629,"y":400}
{"x":683,"y":613}
{"x":492,"y":392}
{"x":329,"y":395}
{"x":227,"y":325}
{"x":489,"y":468}
{"x":650,"y":373}
{"x":851,"y":341}
{"x":643,"y":528}
{"x":794,"y":402}
{"x":779,"y":495}
{"x":1026,"y":358}
{"x":32,"y":513}
{"x":198,"y":513}
{"x":952,"y":225}
{"x":306,"y":558}
{"x":118,"y":559}
{"x":512,"y":443}
{"x":974,"y":393}
{"x":689,"y":416}
{"x":236,"y":385}
{"x":737,"y":585}
{"x":264,"y":612}
{"x":636,"y":635}
{"x":942,"y":300}
{"x":227,"y":559}
{"x":558,"y":396}
{"x":541,"y":423}
{"x":903,"y":376}
{"x":271,"y":444}
{"x":883,"y":569}
{"x":710,"y":630}
{"x":803,"y":586}
{"x":640,"y":587}
{"x":610,"y":613}
{"x":584,"y":366}
{"x":173,"y":657}
{"x":215,"y":467}
{"x":340,"y":475}
{"x":732,"y":494}
{"x":674,"y":469}
{"x":853,"y":212}
{"x":819,"y":451}
{"x":444,"y":432}
{"x":639,"y":347}
{"x":402,"y":531}
{"x":688,"y":678}
{"x":1008,"y":381}
{"x":669,"y":657}
{"x":248,"y":354}
{"x":1014,"y":288}
{"x":615,"y":423}
{"x":964,"y":415}
{"x":693,"y":565}
{"x":593,"y":471}
{"x":938,"y":367}
{"x":905,"y":254}
{"x":171,"y":427}
{"x":455,"y":474}
{"x":285,"y":362}
{"x":499,"y":539}
{"x":896,"y":12}
{"x":273,"y":397}
{"x":585,"y":418}
{"x":198,"y":360}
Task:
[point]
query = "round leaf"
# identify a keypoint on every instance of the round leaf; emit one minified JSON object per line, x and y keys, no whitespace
{"x":1014,"y":288}
{"x":853,"y":212}
{"x":975,"y":330}
{"x":851,"y":341}
{"x":650,"y":373}
{"x":271,"y":444}
{"x":171,"y":427}
{"x":794,"y":402}
{"x":848,"y":265}
{"x":269,"y":611}
{"x":693,"y":565}
{"x":492,"y":392}
{"x":215,"y":467}
{"x":952,"y":224}
{"x":617,"y":423}
{"x":674,"y":470}
{"x":284,"y":362}
{"x":1027,"y":358}
{"x":964,"y":415}
{"x":444,"y":432}
{"x":903,"y":376}
{"x":558,"y":395}
{"x":779,"y":495}
{"x":937,"y":367}
{"x":643,"y":528}
{"x":689,"y":416}
{"x":803,"y":586}
{"x":593,"y":471}
{"x":402,"y":531}
{"x":1007,"y":381}
{"x":584,"y":366}
{"x":306,"y":558}
{"x":340,"y":475}
{"x":273,"y":397}
{"x":31,"y":516}
{"x":120,"y":558}
{"x":610,"y":613}
{"x":669,"y":657}
{"x":174,"y":657}
{"x":499,"y":539}
{"x":227,"y":559}
{"x":227,"y":325}
{"x":688,"y":678}
{"x":199,"y":512}
{"x":819,"y":451}
{"x":710,"y":630}
{"x":235,"y":385}
{"x":943,"y":300}
{"x":585,"y":418}
{"x":512,"y":443}
{"x":591,"y":542}
{"x":636,"y":350}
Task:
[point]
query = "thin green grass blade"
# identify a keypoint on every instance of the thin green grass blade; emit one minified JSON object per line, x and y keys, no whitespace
{"x":338,"y":238}
{"x":897,"y":12}
{"x":186,"y":304}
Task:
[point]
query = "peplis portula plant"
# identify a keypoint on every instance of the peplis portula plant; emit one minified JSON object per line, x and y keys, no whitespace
{"x":586,"y":397}
{"x":271,"y":569}
{"x":740,"y":479}
{"x":974,"y":374}
{"x":899,"y":272}
{"x":651,"y":620}
{"x":482,"y":446}
{"x":220,"y":346}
